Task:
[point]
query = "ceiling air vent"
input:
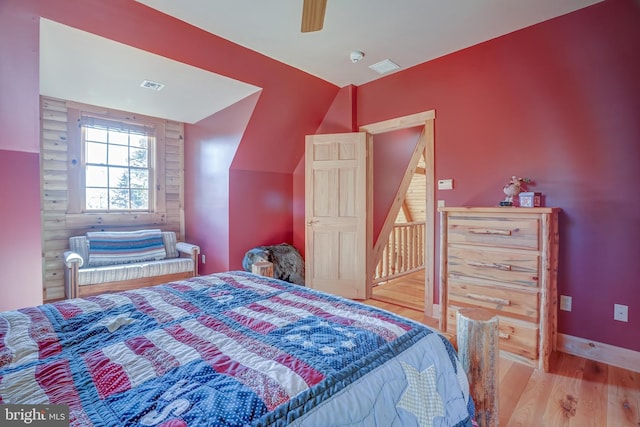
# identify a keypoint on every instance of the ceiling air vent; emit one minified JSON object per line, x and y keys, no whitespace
{"x":152,"y":85}
{"x":384,"y":66}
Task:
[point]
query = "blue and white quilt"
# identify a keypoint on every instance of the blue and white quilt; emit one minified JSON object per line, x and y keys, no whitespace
{"x":230,"y":349}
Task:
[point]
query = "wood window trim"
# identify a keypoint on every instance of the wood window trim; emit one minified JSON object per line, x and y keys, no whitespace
{"x":76,"y":182}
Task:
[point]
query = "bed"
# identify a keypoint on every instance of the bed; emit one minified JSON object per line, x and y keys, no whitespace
{"x":230,"y":349}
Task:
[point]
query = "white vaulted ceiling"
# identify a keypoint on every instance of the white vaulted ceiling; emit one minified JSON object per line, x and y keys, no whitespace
{"x":408,"y":32}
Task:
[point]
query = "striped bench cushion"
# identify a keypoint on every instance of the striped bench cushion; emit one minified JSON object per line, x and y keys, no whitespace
{"x":123,"y":247}
{"x":93,"y":276}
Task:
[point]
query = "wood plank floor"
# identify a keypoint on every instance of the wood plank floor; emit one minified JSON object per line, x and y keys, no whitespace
{"x":407,"y":291}
{"x":576,"y":391}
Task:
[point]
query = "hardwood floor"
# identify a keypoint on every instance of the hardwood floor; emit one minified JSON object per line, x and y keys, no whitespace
{"x":576,"y":391}
{"x":407,"y":291}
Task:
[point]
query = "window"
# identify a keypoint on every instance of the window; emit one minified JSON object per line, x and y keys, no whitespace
{"x":117,"y":158}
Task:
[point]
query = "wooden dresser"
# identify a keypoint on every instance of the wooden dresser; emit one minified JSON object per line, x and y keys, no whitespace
{"x":503,"y":259}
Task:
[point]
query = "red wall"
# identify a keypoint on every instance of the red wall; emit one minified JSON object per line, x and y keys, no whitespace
{"x":19,"y":114}
{"x":291,"y":105}
{"x":392,"y":152}
{"x":213,"y":143}
{"x":557,"y":102}
{"x":262,"y":214}
{"x":391,"y":155}
{"x":258,"y":202}
{"x":339,"y":118}
{"x":20,"y":247}
{"x":560,"y":103}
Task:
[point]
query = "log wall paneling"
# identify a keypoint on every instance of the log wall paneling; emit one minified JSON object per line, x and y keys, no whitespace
{"x":58,"y":127}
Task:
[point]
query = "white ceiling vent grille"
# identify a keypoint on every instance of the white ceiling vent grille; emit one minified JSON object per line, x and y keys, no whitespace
{"x":152,"y":85}
{"x":384,"y":66}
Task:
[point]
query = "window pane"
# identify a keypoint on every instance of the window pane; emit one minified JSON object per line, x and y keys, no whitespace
{"x":117,"y":137}
{"x":138,"y":157}
{"x":119,"y":199}
{"x":139,"y":178}
{"x":118,"y":177}
{"x":139,"y":199}
{"x":97,"y":198}
{"x":96,"y":176}
{"x":95,"y":134}
{"x":118,"y":155}
{"x":117,"y":158}
{"x":140,"y":141}
{"x":96,"y":153}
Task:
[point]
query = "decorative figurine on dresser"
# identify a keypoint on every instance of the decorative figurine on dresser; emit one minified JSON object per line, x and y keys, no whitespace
{"x":505,"y":260}
{"x":515,"y":186}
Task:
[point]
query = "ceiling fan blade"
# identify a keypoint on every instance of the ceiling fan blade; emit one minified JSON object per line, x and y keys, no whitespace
{"x":313,"y":15}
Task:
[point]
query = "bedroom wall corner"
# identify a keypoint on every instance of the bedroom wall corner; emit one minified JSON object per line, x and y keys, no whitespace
{"x":260,"y":211}
{"x":209,"y":149}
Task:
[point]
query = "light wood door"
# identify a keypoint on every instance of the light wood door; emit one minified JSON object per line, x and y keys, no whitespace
{"x":338,"y":200}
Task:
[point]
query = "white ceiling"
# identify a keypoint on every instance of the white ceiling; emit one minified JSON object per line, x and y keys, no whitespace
{"x":407,"y":32}
{"x":82,"y":67}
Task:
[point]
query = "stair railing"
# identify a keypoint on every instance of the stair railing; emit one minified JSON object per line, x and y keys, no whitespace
{"x":404,"y":252}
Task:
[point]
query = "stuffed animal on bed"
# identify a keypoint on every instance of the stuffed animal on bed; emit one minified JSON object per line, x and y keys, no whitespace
{"x":288,"y":264}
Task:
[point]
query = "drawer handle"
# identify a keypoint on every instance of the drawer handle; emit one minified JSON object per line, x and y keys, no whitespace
{"x":490,"y":231}
{"x":503,"y":267}
{"x":504,"y":335}
{"x":486,"y":298}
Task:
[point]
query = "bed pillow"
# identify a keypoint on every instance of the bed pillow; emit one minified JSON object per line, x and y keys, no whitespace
{"x":123,"y":247}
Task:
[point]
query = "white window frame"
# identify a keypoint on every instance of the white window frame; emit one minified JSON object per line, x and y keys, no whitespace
{"x":77,"y":162}
{"x":89,"y":121}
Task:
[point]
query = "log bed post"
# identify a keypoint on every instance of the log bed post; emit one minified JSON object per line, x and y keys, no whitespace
{"x":477,"y":332}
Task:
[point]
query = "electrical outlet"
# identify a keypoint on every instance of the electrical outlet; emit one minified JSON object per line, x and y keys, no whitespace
{"x":203,"y":259}
{"x":565,"y":303}
{"x":441,"y":203}
{"x":621,"y":312}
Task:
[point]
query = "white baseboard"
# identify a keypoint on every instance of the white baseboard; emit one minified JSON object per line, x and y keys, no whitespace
{"x":600,"y":352}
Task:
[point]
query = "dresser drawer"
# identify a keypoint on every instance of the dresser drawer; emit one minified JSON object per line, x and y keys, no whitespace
{"x":502,"y":266}
{"x":507,"y":232}
{"x":518,"y":338}
{"x":521,"y":338}
{"x":503,"y":301}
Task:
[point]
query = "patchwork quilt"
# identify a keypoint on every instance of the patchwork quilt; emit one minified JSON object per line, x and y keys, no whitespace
{"x":230,"y":349}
